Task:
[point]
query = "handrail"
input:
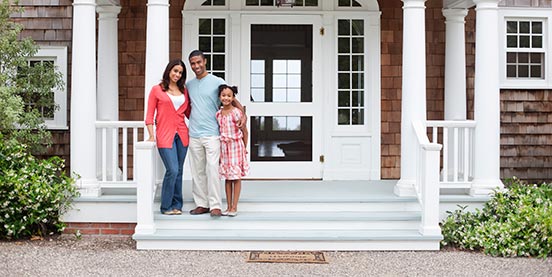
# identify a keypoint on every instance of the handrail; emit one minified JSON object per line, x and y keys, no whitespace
{"x":427,"y":181}
{"x":113,"y":136}
{"x":456,"y":136}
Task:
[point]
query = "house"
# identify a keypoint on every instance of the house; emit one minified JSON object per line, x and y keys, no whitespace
{"x":387,"y":102}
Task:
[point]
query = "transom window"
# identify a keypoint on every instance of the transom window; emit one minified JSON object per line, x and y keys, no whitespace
{"x":212,"y":41}
{"x":350,"y":74}
{"x":273,"y":3}
{"x":214,"y":3}
{"x":525,"y":53}
{"x":348,"y":3}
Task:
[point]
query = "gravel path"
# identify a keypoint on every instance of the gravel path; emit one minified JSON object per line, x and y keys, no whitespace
{"x":92,"y":256}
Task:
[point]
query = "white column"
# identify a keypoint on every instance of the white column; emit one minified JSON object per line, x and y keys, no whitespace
{"x":108,"y":63}
{"x":486,"y":99}
{"x":83,"y":96}
{"x":157,"y":50}
{"x":455,"y":64}
{"x":157,"y":44}
{"x":108,"y":78}
{"x":413,"y":103}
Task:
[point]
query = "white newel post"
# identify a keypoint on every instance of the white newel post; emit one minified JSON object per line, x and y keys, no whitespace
{"x":430,"y":190}
{"x":455,"y":64}
{"x":108,"y":77}
{"x":413,"y":103}
{"x":486,"y":99}
{"x":145,"y":178}
{"x":83,"y":97}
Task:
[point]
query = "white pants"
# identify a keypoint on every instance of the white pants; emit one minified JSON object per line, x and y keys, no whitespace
{"x":204,"y":156}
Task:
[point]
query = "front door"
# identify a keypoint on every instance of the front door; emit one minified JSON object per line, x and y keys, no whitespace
{"x":282,"y":96}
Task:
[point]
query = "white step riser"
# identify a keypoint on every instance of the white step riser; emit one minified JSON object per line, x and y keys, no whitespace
{"x":245,"y":245}
{"x":283,"y":225}
{"x":318,"y":207}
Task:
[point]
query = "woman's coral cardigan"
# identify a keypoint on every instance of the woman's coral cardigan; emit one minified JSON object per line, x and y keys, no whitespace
{"x":168,"y":120}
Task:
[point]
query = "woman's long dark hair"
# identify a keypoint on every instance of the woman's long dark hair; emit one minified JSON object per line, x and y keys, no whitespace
{"x":166,"y":79}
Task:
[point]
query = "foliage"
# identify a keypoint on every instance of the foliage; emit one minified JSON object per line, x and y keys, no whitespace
{"x":25,"y":88}
{"x":517,"y":221}
{"x":33,"y":193}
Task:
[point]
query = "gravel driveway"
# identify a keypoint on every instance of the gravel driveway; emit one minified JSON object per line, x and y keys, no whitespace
{"x":93,"y":256}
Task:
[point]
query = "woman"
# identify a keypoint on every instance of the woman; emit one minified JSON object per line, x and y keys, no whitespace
{"x":170,"y":99}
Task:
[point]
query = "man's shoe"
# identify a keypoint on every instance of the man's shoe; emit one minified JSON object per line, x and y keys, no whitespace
{"x":199,"y":210}
{"x":216,"y":213}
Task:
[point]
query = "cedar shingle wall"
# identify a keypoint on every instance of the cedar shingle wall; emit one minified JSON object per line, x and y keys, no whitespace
{"x":49,"y":22}
{"x":391,"y":72}
{"x":526,"y":134}
{"x":132,"y":53}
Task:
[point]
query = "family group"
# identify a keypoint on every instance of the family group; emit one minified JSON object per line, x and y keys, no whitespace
{"x":215,"y":136}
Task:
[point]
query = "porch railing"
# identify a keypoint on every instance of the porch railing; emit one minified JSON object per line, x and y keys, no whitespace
{"x":427,"y":180}
{"x":457,"y":138}
{"x":146,"y":178}
{"x":114,"y":170}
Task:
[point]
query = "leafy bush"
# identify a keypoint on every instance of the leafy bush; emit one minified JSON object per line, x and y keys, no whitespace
{"x":26,"y":89}
{"x":516,"y":221}
{"x":33,"y":193}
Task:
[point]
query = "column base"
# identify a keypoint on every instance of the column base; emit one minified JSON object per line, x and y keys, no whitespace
{"x":88,"y":188}
{"x":485,"y":187}
{"x":404,"y":188}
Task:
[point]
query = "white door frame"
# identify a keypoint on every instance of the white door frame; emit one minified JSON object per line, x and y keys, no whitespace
{"x":288,"y":169}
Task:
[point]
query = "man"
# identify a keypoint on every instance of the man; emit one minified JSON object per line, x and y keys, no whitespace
{"x":204,"y":147}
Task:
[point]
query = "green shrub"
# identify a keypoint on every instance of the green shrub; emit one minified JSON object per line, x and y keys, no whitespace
{"x":33,"y":193}
{"x":516,"y":221}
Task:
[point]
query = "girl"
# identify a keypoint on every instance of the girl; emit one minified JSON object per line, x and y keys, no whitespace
{"x":233,"y":142}
{"x":170,"y":99}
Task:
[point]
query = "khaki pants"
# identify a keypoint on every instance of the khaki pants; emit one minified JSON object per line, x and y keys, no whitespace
{"x":204,"y":156}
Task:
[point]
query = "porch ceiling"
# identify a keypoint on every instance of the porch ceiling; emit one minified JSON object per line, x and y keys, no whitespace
{"x":108,"y":2}
{"x":458,"y":4}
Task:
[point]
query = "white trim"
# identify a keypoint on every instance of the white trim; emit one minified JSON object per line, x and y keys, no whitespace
{"x":545,"y":14}
{"x":59,"y":56}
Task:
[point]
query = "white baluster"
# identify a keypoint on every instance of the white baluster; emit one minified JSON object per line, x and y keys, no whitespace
{"x":125,"y":154}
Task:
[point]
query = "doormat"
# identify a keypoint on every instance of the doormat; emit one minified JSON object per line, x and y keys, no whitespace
{"x":305,"y":257}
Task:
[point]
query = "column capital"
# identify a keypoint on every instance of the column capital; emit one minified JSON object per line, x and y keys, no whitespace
{"x":106,"y":12}
{"x":84,"y":3}
{"x":486,"y":4}
{"x":455,"y":15}
{"x":413,"y":4}
{"x":158,"y":3}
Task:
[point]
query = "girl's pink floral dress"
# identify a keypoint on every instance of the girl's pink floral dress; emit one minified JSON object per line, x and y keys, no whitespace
{"x":233,"y":156}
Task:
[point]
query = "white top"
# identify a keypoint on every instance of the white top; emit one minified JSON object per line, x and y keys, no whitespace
{"x":177,"y":100}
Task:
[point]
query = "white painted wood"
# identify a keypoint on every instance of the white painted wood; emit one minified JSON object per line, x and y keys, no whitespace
{"x":157,"y":44}
{"x":455,"y":64}
{"x":413,"y":102}
{"x":145,"y":179}
{"x":430,"y":190}
{"x":83,"y":97}
{"x":59,"y":55}
{"x":305,"y":169}
{"x":109,"y":173}
{"x":525,"y":13}
{"x":486,"y":99}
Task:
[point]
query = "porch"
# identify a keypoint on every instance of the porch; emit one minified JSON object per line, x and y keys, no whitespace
{"x":286,"y":215}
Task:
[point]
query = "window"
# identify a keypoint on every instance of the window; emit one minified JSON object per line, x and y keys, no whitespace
{"x":350,"y":72}
{"x":348,"y":3}
{"x":524,"y":42}
{"x":214,"y":3}
{"x":212,"y":41}
{"x":56,"y":57}
{"x":272,"y":3}
{"x":524,"y":49}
